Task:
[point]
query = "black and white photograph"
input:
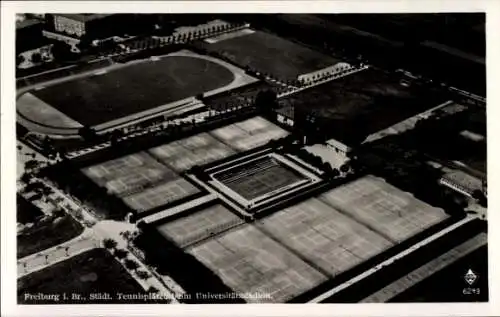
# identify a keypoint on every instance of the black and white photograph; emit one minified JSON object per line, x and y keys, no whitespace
{"x":249,"y":158}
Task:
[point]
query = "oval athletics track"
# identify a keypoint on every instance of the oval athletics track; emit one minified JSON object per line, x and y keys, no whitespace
{"x":128,"y":90}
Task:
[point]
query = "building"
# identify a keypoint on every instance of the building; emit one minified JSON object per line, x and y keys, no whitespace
{"x":78,"y":25}
{"x":95,"y":26}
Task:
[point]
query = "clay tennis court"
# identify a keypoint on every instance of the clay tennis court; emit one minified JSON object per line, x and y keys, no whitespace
{"x":199,"y":149}
{"x":394,"y":214}
{"x":249,"y":134}
{"x":258,"y":177}
{"x":130,"y":173}
{"x":160,"y":195}
{"x":324,"y":236}
{"x":199,"y":226}
{"x":249,"y":261}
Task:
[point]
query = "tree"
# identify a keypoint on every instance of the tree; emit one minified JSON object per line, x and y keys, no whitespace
{"x":266,"y":100}
{"x":121,"y":254}
{"x":31,"y":165}
{"x":26,"y":178}
{"x":87,"y":133}
{"x":344,"y":168}
{"x":62,"y":51}
{"x":109,"y":244}
{"x":131,"y":264}
{"x":36,"y":58}
{"x":143,"y":275}
{"x":20,"y":59}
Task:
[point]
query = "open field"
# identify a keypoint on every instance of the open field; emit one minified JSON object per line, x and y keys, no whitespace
{"x":248,"y":134}
{"x":249,"y":261}
{"x":199,"y":226}
{"x":26,"y":211}
{"x":162,"y":194}
{"x":361,"y":104}
{"x":392,"y":213}
{"x":258,"y":177}
{"x":267,"y":53}
{"x":134,"y":88}
{"x":91,"y":272}
{"x":196,"y":150}
{"x":327,"y":238}
{"x":44,"y":235}
{"x":129,"y":173}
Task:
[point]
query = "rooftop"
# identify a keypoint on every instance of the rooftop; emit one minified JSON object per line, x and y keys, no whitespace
{"x":84,"y":17}
{"x":21,"y":24}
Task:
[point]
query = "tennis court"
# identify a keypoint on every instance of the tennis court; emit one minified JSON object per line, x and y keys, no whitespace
{"x":395,"y":214}
{"x":129,"y":174}
{"x":258,"y":177}
{"x":324,"y":236}
{"x":249,"y":134}
{"x":249,"y":261}
{"x":161,"y":195}
{"x":199,"y":226}
{"x":199,"y":149}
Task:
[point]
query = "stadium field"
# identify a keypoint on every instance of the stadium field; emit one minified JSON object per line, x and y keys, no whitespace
{"x":160,"y":195}
{"x":271,"y":54}
{"x":248,"y":261}
{"x":183,"y":154}
{"x":258,"y":177}
{"x":248,"y":134}
{"x":392,"y":213}
{"x":135,"y":88}
{"x":199,"y":226}
{"x":129,"y":174}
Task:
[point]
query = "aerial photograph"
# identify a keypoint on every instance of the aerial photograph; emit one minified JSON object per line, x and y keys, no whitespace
{"x":251,"y":158}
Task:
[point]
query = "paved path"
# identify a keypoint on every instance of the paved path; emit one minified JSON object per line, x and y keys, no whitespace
{"x":40,"y":260}
{"x":398,"y":256}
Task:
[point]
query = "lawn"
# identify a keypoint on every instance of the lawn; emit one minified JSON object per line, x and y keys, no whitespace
{"x":360,"y":104}
{"x":271,"y":54}
{"x":26,"y":211}
{"x":46,"y":234}
{"x":91,"y":272}
{"x":134,"y":88}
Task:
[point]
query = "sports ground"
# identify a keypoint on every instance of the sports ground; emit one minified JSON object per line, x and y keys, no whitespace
{"x":213,"y":145}
{"x":141,"y":181}
{"x":392,"y":213}
{"x":297,"y":248}
{"x":271,"y":54}
{"x":199,"y":226}
{"x":150,"y":179}
{"x":199,"y":149}
{"x":123,"y":91}
{"x":248,"y":260}
{"x":248,"y":134}
{"x":258,"y":177}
